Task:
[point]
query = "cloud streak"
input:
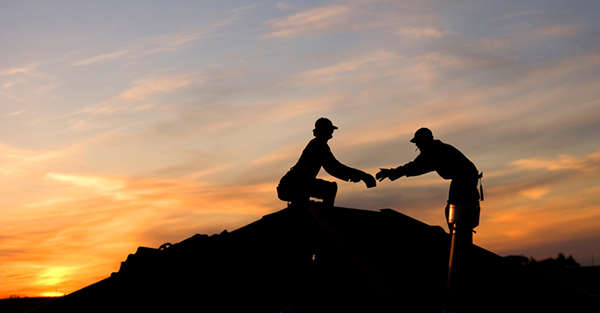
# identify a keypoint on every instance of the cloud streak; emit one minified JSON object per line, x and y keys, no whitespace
{"x":308,"y":22}
{"x":141,"y":90}
{"x":100,"y":58}
{"x":23,"y":70}
{"x":156,"y":44}
{"x":420,"y":33}
{"x":589,"y":163}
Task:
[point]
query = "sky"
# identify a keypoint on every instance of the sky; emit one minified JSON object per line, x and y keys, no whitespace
{"x":135,"y":123}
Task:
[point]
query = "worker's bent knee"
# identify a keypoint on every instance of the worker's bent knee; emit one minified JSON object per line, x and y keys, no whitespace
{"x":291,"y":193}
{"x":322,"y":189}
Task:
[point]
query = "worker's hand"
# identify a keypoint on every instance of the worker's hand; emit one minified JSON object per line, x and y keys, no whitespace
{"x":369,"y":180}
{"x":383,"y":174}
{"x":355,"y":179}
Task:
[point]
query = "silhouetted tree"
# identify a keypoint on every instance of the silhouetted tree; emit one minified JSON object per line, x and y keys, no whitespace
{"x":570,"y":262}
{"x":532,"y":262}
{"x":559,"y":262}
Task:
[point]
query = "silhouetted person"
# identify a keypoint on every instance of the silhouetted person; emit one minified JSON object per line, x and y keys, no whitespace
{"x":462,"y":211}
{"x":300,"y":182}
{"x":447,"y":161}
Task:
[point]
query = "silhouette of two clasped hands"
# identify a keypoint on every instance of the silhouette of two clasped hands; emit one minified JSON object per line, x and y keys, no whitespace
{"x":368,"y":179}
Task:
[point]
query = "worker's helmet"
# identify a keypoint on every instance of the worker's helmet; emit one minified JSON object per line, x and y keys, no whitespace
{"x":324,"y":124}
{"x":422,"y":135}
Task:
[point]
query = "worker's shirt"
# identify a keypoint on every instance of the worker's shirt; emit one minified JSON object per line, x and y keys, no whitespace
{"x":317,"y":154}
{"x":449,"y":163}
{"x":443,"y":158}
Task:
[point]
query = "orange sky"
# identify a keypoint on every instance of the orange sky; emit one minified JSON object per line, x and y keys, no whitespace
{"x":127,"y":125}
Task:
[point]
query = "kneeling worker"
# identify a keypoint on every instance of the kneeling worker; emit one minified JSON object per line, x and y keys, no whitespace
{"x":300,"y":182}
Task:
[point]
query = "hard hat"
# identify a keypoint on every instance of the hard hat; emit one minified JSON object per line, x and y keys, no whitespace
{"x":423,"y":134}
{"x":324,"y":123}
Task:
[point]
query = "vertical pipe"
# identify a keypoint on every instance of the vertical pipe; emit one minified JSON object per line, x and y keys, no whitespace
{"x":462,"y":239}
{"x":462,"y":219}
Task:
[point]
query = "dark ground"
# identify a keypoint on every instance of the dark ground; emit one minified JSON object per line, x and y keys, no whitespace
{"x":20,"y":305}
{"x":586,"y":279}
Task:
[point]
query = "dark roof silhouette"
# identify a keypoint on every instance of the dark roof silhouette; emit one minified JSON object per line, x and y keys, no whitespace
{"x":309,"y":258}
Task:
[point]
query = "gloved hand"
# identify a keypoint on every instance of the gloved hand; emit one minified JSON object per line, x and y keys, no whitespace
{"x":355,"y":179}
{"x":366,"y":177}
{"x":369,"y":180}
{"x":391,"y":173}
{"x":383,"y":174}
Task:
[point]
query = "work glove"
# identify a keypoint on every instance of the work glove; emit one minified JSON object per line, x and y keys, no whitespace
{"x":391,"y":173}
{"x":369,"y":180}
{"x":383,"y":174}
{"x":366,"y":177}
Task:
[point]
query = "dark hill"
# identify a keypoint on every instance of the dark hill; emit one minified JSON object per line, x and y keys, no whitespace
{"x":315,"y":259}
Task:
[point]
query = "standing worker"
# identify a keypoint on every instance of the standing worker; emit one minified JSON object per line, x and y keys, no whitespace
{"x":300,"y":182}
{"x":462,"y":211}
{"x":447,"y":161}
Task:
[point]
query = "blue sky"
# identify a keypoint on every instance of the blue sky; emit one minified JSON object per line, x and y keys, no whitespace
{"x":131,"y":123}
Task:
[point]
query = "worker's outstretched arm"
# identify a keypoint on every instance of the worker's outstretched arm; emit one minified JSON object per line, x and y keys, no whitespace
{"x":337,"y":169}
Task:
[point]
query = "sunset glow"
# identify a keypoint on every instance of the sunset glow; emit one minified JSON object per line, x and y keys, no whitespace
{"x":136,"y":124}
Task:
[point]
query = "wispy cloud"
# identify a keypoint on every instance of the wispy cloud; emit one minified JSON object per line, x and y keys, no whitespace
{"x":308,"y":22}
{"x":50,"y":202}
{"x":536,"y":192}
{"x":146,"y":88}
{"x":16,"y":160}
{"x":17,"y":99}
{"x":142,"y":90}
{"x":156,"y":44}
{"x":103,"y":184}
{"x":555,"y":31}
{"x":242,"y":9}
{"x":517,"y":14}
{"x":100,"y":58}
{"x":334,"y":73}
{"x":420,"y":33}
{"x":588,"y":163}
{"x":38,"y":81}
{"x":10,"y":84}
{"x":79,"y":125}
{"x":526,"y":229}
{"x":492,"y":44}
{"x":25,"y":70}
{"x":355,"y":15}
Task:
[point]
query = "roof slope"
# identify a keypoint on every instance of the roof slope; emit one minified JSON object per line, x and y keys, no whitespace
{"x":309,"y":258}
